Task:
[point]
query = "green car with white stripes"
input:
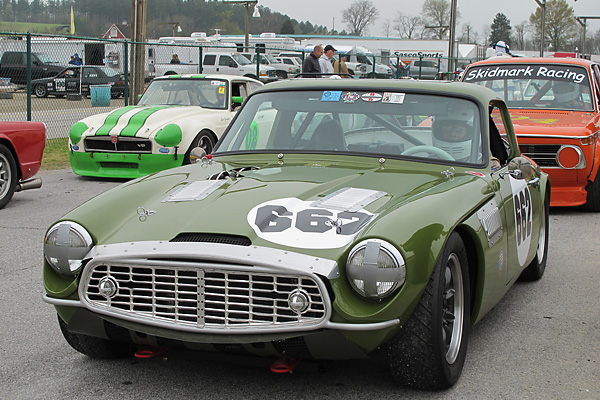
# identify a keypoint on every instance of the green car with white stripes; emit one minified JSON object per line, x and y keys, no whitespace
{"x":335,"y":219}
{"x":175,"y":114}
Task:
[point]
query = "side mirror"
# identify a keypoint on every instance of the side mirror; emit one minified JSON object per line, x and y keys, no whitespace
{"x":520,"y":168}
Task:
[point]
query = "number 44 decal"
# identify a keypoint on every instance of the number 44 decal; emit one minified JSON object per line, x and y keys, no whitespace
{"x":293,"y":222}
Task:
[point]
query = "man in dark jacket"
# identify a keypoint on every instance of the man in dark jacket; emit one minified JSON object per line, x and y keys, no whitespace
{"x":311,"y":63}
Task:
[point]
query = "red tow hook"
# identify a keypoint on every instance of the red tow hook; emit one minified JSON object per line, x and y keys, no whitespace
{"x":151,"y":352}
{"x":285,"y":364}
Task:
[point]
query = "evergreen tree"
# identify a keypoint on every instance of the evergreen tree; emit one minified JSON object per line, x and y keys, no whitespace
{"x":287,"y":28}
{"x":501,"y":29}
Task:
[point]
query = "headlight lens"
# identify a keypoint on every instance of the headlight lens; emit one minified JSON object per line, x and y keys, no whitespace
{"x":375,"y":269}
{"x":65,"y":246}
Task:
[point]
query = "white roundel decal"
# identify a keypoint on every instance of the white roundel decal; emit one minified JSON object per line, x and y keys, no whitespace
{"x":523,"y":217}
{"x":293,"y":222}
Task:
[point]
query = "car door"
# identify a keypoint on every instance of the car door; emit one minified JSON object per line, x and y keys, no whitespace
{"x":519,"y":197}
{"x":72,"y":80}
{"x":227,"y":65}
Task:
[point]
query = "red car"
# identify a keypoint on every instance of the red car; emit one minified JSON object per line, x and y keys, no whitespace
{"x":21,"y":149}
{"x":554,"y":106}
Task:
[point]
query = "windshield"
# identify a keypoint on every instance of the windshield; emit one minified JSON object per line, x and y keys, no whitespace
{"x":432,"y":128}
{"x":46,"y":59}
{"x":109,"y":71}
{"x":539,"y":86}
{"x":207,"y":93}
{"x":241,"y":59}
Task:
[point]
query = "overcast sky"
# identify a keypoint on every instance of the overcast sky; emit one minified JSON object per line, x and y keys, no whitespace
{"x":479,"y":13}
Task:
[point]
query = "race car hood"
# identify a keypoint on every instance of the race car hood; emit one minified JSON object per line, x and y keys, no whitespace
{"x":554,"y":123}
{"x":290,"y":206}
{"x":140,"y":121}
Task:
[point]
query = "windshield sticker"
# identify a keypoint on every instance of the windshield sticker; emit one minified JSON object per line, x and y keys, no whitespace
{"x":252,"y":136}
{"x":350,"y":97}
{"x":293,"y":222}
{"x":523,"y":217}
{"x":371,"y":97}
{"x":552,"y":72}
{"x":330,"y":95}
{"x":394,"y":98}
{"x":217,"y":83}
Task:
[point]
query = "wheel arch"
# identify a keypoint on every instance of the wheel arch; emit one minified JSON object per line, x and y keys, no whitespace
{"x":8,"y":144}
{"x":474,"y":264}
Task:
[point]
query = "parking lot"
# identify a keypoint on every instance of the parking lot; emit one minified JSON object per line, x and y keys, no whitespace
{"x":542,"y":341}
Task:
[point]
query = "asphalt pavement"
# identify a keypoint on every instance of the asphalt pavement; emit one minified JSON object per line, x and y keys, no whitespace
{"x":542,"y":341}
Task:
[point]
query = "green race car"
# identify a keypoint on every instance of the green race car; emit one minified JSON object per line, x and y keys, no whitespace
{"x":334,"y":219}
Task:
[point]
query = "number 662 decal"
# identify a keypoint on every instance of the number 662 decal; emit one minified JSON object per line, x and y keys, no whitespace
{"x":293,"y":222}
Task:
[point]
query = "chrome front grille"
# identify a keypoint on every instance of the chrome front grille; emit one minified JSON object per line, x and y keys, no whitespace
{"x":543,"y":154}
{"x":197,"y":298}
{"x":118,"y":144}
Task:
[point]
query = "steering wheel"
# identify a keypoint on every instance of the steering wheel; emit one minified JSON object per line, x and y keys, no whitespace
{"x":428,"y":149}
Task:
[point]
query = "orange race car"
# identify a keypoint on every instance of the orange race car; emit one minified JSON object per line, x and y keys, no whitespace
{"x":555,"y":108}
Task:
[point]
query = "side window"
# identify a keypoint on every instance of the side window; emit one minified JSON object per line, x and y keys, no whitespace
{"x":209,"y":59}
{"x":225,"y":61}
{"x":596,"y":74}
{"x":254,"y":86}
{"x":499,"y":147}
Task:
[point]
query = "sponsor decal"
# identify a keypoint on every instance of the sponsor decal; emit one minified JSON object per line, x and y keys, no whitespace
{"x":546,"y":121}
{"x":217,"y":83}
{"x":520,"y":71}
{"x":350,"y":97}
{"x":394,"y":98}
{"x":293,"y":222}
{"x":331,"y":95}
{"x":523,"y":210}
{"x":371,"y":97}
{"x":163,"y":150}
{"x":221,"y":89}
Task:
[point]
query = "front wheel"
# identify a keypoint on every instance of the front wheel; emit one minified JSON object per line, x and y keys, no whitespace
{"x":592,"y":202}
{"x":204,"y":140}
{"x":94,"y":347}
{"x":8,"y":175}
{"x":40,"y":91}
{"x":429,"y":351}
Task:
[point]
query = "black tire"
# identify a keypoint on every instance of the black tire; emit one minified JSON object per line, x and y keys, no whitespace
{"x":94,"y":347}
{"x":592,"y":202}
{"x":535,"y":270}
{"x":205,"y":139}
{"x":8,"y":175}
{"x":40,"y":91}
{"x":429,"y":351}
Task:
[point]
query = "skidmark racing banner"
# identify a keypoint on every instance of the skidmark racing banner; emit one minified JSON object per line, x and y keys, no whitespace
{"x":519,"y":71}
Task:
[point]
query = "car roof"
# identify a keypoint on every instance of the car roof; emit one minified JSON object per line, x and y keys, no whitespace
{"x":535,"y":60}
{"x":207,"y":76}
{"x":483,"y":94}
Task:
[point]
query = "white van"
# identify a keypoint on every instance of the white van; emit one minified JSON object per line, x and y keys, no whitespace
{"x":236,"y":64}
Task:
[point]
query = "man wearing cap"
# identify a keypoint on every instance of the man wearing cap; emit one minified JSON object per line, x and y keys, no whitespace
{"x":501,"y":49}
{"x":311,"y":62}
{"x":325,"y":59}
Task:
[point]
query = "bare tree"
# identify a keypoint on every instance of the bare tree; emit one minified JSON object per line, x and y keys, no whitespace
{"x":520,"y":31}
{"x":436,"y":14}
{"x":359,"y":16}
{"x":469,"y":35}
{"x":407,"y":25}
{"x":386,"y":27}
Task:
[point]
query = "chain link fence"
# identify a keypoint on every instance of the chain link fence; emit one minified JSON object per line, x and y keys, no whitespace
{"x":59,"y":80}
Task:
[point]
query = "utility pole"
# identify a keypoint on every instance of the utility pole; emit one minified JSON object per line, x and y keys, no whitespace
{"x":249,"y":5}
{"x":138,"y":37}
{"x":451,"y":37}
{"x":542,"y":4}
{"x":583,"y":21}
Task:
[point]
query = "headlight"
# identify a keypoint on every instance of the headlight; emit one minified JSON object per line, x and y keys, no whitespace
{"x":375,"y":269}
{"x":65,"y":246}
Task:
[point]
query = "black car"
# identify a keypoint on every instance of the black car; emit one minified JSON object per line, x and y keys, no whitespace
{"x":70,"y":79}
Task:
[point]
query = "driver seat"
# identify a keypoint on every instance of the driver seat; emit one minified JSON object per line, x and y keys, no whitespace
{"x":329,"y":135}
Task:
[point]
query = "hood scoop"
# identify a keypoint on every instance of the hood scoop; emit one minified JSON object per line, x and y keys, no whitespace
{"x":198,"y":190}
{"x":232,"y":174}
{"x":349,"y":199}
